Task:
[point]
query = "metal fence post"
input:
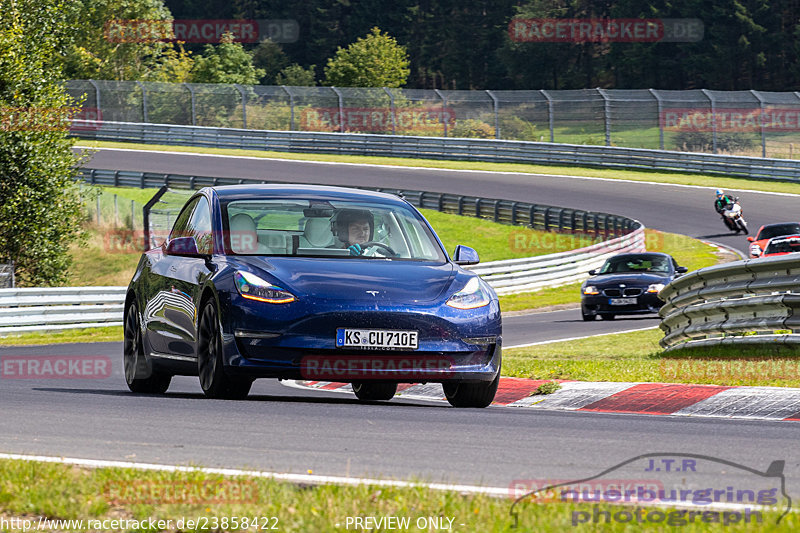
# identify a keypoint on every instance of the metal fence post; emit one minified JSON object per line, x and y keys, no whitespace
{"x":444,"y":105}
{"x":96,"y":97}
{"x":713,"y":118}
{"x":244,"y":104}
{"x":660,"y":115}
{"x":761,"y":123}
{"x":496,"y":117}
{"x":392,"y":109}
{"x":291,"y":107}
{"x":341,"y":108}
{"x":607,"y":113}
{"x":194,"y":111}
{"x":549,"y":114}
{"x":144,"y":101}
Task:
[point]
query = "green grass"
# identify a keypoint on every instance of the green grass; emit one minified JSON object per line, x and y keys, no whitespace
{"x":33,"y":489}
{"x":636,"y":356}
{"x":104,"y":334}
{"x":634,"y":175}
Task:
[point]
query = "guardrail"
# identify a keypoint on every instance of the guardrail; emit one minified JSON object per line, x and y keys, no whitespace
{"x":489,"y":150}
{"x":513,"y":276}
{"x":52,"y":308}
{"x":37,"y":309}
{"x":755,"y":301}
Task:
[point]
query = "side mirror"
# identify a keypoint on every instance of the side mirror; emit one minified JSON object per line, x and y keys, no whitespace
{"x":464,"y":255}
{"x":183,"y":246}
{"x":751,"y":239}
{"x":593,"y":272}
{"x":681,"y":270}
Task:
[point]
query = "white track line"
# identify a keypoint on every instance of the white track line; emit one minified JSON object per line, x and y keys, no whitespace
{"x":293,"y":478}
{"x":577,"y":338}
{"x":402,"y":167}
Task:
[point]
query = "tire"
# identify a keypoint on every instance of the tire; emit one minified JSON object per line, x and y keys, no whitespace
{"x":137,"y":374}
{"x":471,"y":394}
{"x":210,"y":367}
{"x":743,"y":225}
{"x":587,"y":317}
{"x":607,"y":317}
{"x":367,"y":391}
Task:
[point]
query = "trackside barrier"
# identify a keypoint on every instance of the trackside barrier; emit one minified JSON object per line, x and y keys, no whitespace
{"x":38,"y":309}
{"x":488,"y":150}
{"x":522,"y":275}
{"x":750,"y":302}
{"x":52,"y":308}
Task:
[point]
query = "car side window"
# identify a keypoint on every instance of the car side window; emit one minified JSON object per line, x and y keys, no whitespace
{"x":199,"y":226}
{"x":182,"y":222}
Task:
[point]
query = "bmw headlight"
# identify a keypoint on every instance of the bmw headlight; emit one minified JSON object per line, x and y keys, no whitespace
{"x":471,"y":296}
{"x":590,"y":289}
{"x":252,"y":287}
{"x":655,"y":287}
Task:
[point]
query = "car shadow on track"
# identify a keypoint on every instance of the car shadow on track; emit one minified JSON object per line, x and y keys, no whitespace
{"x":251,"y":398}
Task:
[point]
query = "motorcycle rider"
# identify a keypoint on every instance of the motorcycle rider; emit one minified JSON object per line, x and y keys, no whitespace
{"x":721,"y":203}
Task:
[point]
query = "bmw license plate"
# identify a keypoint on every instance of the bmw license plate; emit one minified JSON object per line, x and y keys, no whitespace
{"x":377,"y":338}
{"x":622,"y":301}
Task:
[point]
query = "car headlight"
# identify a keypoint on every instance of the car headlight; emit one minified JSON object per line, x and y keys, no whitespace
{"x":471,"y":296}
{"x":252,"y":287}
{"x":590,"y":289}
{"x":655,"y":287}
{"x":755,"y":250}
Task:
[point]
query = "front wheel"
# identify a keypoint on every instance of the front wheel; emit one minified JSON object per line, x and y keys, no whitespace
{"x":471,"y":394}
{"x":138,"y":376}
{"x":587,"y":317}
{"x":374,"y":391}
{"x":213,"y":380}
{"x":743,"y":226}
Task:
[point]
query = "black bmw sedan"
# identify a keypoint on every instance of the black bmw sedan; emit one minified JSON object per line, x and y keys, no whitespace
{"x":627,"y":284}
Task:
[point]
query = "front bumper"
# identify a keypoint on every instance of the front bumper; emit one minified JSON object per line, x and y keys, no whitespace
{"x":600,"y":305}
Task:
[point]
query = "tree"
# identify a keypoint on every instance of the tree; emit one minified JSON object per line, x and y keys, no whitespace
{"x":297,"y":76}
{"x":227,"y":62}
{"x":372,"y":61}
{"x":269,"y":56}
{"x":40,"y":204}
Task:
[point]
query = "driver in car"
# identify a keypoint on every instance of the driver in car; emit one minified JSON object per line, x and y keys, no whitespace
{"x":353,"y":228}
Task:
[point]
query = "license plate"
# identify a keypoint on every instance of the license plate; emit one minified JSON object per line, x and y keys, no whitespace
{"x":622,"y":301}
{"x":377,"y":338}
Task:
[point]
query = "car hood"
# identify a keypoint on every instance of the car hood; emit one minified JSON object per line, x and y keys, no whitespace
{"x":357,"y":279}
{"x":629,"y":279}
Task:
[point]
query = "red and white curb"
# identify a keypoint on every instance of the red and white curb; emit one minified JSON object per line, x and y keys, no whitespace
{"x":755,"y":403}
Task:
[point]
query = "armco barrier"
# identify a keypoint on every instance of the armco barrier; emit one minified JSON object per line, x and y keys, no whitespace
{"x":489,"y":150}
{"x":755,"y":301}
{"x":36,"y":309}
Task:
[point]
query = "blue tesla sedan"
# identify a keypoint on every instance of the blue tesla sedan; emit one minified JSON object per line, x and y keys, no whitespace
{"x":308,"y":282}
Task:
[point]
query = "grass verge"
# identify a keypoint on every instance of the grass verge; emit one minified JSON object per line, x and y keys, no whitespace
{"x":107,"y":334}
{"x":636,"y":356}
{"x":33,"y":489}
{"x":634,"y":175}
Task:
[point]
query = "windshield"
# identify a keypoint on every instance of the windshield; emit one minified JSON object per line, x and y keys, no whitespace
{"x":310,"y":228}
{"x":779,"y":229}
{"x":636,"y":263}
{"x":785,"y":245}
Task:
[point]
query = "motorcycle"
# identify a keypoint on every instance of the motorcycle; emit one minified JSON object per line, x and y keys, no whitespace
{"x":733,"y":217}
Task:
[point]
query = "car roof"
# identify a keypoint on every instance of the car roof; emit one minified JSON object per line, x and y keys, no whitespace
{"x":640,"y":254}
{"x":309,"y":192}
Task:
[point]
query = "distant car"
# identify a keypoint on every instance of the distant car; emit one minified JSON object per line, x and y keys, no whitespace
{"x":259,"y":282}
{"x":627,"y":284}
{"x":785,"y":244}
{"x":768,"y":231}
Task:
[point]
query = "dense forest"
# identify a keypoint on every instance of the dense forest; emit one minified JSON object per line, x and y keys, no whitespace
{"x":467,"y":44}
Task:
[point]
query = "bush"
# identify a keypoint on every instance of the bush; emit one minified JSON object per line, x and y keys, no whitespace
{"x":472,"y":128}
